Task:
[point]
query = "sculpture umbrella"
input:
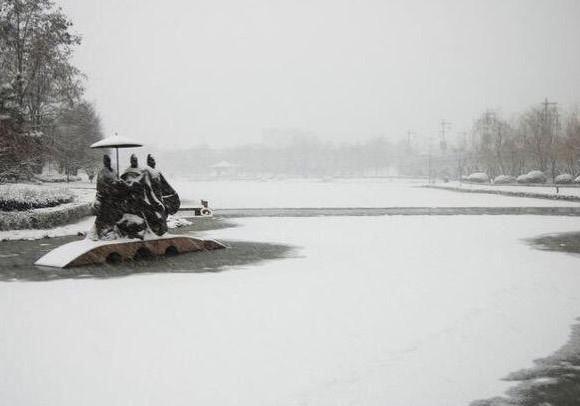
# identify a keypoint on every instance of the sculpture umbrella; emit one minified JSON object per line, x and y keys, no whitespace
{"x":116,"y":142}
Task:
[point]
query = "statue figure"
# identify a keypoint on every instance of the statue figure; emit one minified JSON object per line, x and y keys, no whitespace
{"x":162,"y":188}
{"x":144,"y":210}
{"x":109,"y":203}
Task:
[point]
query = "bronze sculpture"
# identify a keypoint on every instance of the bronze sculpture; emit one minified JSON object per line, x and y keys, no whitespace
{"x":135,"y":205}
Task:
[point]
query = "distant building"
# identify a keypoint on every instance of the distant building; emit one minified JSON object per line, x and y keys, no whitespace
{"x":224,"y":169}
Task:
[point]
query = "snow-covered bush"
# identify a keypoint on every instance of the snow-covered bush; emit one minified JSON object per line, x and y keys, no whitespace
{"x":532,"y":177}
{"x":564,"y":179}
{"x":523,"y":179}
{"x":25,"y":197}
{"x":537,"y":177}
{"x":504,"y":179}
{"x":577,"y":180}
{"x":478,"y":177}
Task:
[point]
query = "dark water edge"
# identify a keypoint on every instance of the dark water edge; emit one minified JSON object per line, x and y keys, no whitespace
{"x":562,"y":242}
{"x":554,"y":380}
{"x":17,"y":258}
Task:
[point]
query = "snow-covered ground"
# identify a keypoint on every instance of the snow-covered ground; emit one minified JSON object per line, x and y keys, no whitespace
{"x":371,"y":311}
{"x":340,"y":193}
{"x":299,"y":193}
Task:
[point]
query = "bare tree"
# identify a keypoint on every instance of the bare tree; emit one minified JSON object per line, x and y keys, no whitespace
{"x":570,"y":145}
{"x":491,"y":139}
{"x":538,"y":127}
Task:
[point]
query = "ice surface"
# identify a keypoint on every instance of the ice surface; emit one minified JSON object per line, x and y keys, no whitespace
{"x":372,"y":311}
{"x":341,"y":193}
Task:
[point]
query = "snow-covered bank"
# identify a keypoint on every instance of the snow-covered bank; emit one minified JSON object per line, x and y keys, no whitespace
{"x":80,"y":227}
{"x":374,"y":311}
{"x":558,"y":192}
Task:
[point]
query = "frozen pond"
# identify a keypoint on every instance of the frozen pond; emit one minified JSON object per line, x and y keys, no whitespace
{"x":296,"y":193}
{"x":368,"y":311}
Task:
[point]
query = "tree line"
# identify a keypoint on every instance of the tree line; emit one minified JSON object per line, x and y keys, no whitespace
{"x":543,"y":137}
{"x":43,"y":115}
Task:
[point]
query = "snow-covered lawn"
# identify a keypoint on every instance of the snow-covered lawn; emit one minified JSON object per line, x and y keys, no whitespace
{"x":371,"y":311}
{"x":340,"y":193}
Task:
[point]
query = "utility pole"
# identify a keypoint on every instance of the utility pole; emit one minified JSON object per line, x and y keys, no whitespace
{"x":445,"y":125}
{"x":410,"y":134}
{"x":548,"y":133}
{"x":429,"y":167}
{"x":546,"y":105}
{"x":429,"y":161}
{"x":462,"y":148}
{"x":460,"y":158}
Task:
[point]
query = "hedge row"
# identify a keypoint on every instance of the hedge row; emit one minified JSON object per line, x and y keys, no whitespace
{"x":26,"y":197}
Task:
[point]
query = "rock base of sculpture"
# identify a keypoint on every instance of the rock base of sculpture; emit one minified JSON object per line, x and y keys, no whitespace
{"x":89,"y":252}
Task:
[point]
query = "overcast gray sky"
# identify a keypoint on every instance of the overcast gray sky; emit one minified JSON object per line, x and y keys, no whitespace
{"x":222,"y":71}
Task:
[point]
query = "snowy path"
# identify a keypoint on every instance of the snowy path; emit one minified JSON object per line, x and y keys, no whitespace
{"x":373,"y":311}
